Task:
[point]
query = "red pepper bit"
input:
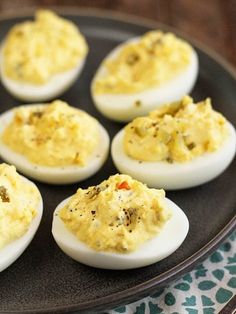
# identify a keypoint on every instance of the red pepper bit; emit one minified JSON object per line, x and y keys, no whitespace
{"x":123,"y":185}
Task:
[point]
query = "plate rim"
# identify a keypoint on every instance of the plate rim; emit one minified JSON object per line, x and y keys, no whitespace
{"x":143,"y":289}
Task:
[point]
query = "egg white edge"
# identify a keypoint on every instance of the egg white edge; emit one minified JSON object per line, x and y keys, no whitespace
{"x":166,"y":242}
{"x":53,"y":88}
{"x":122,"y":107}
{"x":54,"y":175}
{"x":176,"y":175}
{"x":12,"y":251}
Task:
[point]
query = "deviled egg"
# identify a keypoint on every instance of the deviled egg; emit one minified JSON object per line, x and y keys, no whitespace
{"x":40,"y":59}
{"x":143,"y":73}
{"x":178,"y":146}
{"x":21,"y":210}
{"x":53,"y":143}
{"x":119,"y":224}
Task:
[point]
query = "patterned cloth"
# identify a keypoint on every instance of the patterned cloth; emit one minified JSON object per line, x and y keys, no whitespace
{"x":205,"y":290}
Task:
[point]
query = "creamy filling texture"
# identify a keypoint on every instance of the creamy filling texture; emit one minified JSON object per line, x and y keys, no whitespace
{"x":177,"y":132}
{"x":34,"y":51}
{"x":117,"y":215}
{"x":19,"y":201}
{"x":54,"y":134}
{"x":150,"y":61}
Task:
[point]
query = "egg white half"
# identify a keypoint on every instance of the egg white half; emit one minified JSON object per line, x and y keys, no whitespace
{"x":162,"y":245}
{"x":31,"y":92}
{"x":55,"y":175}
{"x":123,"y":108}
{"x":11,"y":252}
{"x":176,"y":175}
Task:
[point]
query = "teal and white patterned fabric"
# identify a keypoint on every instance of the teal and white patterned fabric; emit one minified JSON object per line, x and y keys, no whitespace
{"x":205,"y":290}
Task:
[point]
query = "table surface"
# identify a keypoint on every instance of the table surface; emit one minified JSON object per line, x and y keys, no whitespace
{"x":212,"y":22}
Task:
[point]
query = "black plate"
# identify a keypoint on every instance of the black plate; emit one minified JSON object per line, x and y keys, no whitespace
{"x":44,"y":279}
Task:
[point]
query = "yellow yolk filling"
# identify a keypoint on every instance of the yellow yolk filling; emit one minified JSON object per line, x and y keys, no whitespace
{"x":117,"y":215}
{"x":52,"y":135}
{"x":151,"y":61}
{"x":177,"y":132}
{"x":19,"y":202}
{"x":34,"y":51}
